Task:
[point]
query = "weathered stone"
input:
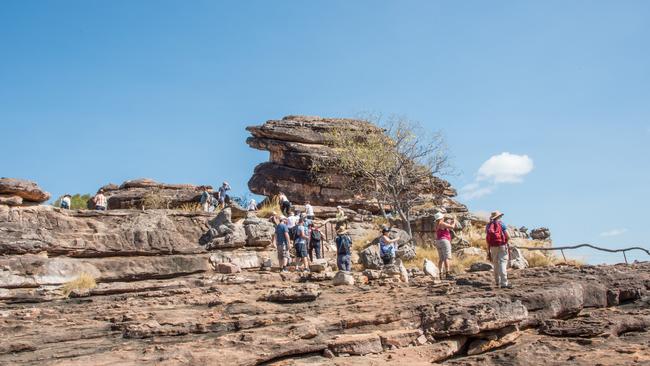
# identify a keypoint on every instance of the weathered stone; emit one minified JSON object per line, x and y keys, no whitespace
{"x":431,"y":269}
{"x":319,"y":265}
{"x":242,"y":259}
{"x":227,"y":268}
{"x":541,"y":233}
{"x":517,"y":259}
{"x":481,"y":267}
{"x":399,"y":338}
{"x":343,"y":278}
{"x":356,"y":344}
{"x":493,"y":340}
{"x":292,"y":295}
{"x":10,"y":200}
{"x":133,"y":194}
{"x":27,"y":190}
{"x":470,"y":252}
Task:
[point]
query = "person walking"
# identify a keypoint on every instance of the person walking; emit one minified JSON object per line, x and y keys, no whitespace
{"x":343,"y":250}
{"x":281,"y":241}
{"x":387,"y":247}
{"x":443,"y":243}
{"x":285,"y":204}
{"x":100,"y":201}
{"x":315,"y":237}
{"x":300,"y":243}
{"x":66,"y":202}
{"x":309,"y":210}
{"x":497,"y":238}
{"x":223,"y":196}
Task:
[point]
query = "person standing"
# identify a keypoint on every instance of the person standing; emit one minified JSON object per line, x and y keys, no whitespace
{"x":497,"y":238}
{"x":206,"y":200}
{"x":443,"y":243}
{"x":300,"y":244}
{"x":281,"y":240}
{"x":66,"y":202}
{"x":315,"y":237}
{"x":100,"y":201}
{"x":309,"y":210}
{"x":343,"y":250}
{"x":387,"y":247}
{"x":252,"y":205}
{"x":223,"y":196}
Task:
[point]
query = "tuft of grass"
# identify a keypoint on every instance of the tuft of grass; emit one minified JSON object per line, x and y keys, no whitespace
{"x":190,"y":207}
{"x":537,"y":259}
{"x":460,"y":265}
{"x":270,"y":206}
{"x":155,"y":200}
{"x":380,"y":221}
{"x":422,"y":253}
{"x":364,"y":242}
{"x":83,"y":282}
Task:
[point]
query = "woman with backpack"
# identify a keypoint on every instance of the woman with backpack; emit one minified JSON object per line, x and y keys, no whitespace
{"x":443,"y":243}
{"x":497,"y":238}
{"x":387,"y":248}
{"x":314,"y":242}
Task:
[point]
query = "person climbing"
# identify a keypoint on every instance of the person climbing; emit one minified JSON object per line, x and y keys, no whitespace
{"x":387,"y":248}
{"x":343,"y":250}
{"x":274,"y":219}
{"x":206,"y":200}
{"x":309,"y":210}
{"x":315,"y":237}
{"x":100,"y":201}
{"x":252,"y":205}
{"x":66,"y":202}
{"x":285,"y":204}
{"x":223,"y":196}
{"x":341,"y":219}
{"x":300,"y":243}
{"x":443,"y":243}
{"x":281,"y":241}
{"x":497,"y":238}
{"x":292,"y":219}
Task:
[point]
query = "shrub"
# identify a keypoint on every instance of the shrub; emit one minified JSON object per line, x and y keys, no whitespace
{"x":83,"y":282}
{"x":268,"y":207}
{"x":155,"y":200}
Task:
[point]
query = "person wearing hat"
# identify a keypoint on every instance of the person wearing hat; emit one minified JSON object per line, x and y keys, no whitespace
{"x":387,"y":246}
{"x":223,"y":197}
{"x":281,"y":240}
{"x":443,"y":243}
{"x":496,"y":235}
{"x":343,"y":250}
{"x":341,"y":219}
{"x":66,"y":201}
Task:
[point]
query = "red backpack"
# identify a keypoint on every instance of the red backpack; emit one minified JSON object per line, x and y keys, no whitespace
{"x":495,"y":235}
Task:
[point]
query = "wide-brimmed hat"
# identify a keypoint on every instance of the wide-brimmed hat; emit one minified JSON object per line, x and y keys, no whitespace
{"x":438,"y":216}
{"x":495,"y":215}
{"x":339,"y":207}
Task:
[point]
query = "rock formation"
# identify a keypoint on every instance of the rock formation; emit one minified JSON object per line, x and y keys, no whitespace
{"x":134,"y":193}
{"x":21,"y":192}
{"x":294,"y":142}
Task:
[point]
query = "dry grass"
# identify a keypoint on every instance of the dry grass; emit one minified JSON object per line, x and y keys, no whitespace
{"x":539,"y":259}
{"x":83,"y":282}
{"x":270,"y":206}
{"x":380,"y":221}
{"x":364,"y":242}
{"x":155,"y":200}
{"x":422,"y":253}
{"x":460,"y":265}
{"x":190,"y":207}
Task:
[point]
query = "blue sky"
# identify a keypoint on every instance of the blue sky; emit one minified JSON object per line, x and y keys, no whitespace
{"x":95,"y":92}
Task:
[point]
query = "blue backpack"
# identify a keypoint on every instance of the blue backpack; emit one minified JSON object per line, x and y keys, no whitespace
{"x":343,"y":244}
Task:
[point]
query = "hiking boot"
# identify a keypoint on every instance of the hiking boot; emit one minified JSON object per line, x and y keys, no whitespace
{"x":508,"y":286}
{"x":450,"y":277}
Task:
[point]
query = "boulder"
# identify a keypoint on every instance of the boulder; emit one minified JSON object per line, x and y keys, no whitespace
{"x":517,"y":259}
{"x":259,"y":232}
{"x":481,"y":267}
{"x":470,"y":252}
{"x":227,"y":268}
{"x":319,"y":265}
{"x":25,"y":189}
{"x":10,"y":200}
{"x":343,"y":279}
{"x":294,"y":142}
{"x":133,"y":194}
{"x":541,"y":233}
{"x":431,"y":269}
{"x":494,"y":340}
{"x":292,"y":295}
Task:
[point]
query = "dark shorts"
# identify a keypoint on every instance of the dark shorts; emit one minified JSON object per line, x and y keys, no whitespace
{"x":100,"y":208}
{"x":388,"y":259}
{"x":301,"y":249}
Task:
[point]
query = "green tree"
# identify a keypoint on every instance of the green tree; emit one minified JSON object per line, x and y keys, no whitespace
{"x":77,"y":201}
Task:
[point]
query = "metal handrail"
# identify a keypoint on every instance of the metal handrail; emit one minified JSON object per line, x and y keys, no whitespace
{"x":561,"y":249}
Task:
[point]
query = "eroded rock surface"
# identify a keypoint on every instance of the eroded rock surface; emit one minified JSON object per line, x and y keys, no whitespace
{"x":17,"y":192}
{"x":133,"y":194}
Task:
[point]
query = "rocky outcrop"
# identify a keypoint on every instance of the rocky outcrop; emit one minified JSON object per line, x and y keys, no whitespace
{"x":541,"y":233}
{"x":133,"y":194}
{"x":294,"y":142}
{"x":21,"y":192}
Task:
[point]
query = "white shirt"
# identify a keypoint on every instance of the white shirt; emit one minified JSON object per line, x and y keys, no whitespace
{"x":100,"y":200}
{"x":292,"y":221}
{"x":309,"y":209}
{"x":66,"y":200}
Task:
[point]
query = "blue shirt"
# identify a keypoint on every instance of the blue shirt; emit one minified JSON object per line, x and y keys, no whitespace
{"x":300,"y":230}
{"x":280,"y":237}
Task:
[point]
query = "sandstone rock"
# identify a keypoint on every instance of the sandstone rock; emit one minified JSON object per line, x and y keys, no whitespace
{"x":356,"y":344}
{"x":319,"y":265}
{"x":481,"y":267}
{"x":292,"y":295}
{"x":540,"y":233}
{"x":399,"y":338}
{"x":27,"y":190}
{"x":259,"y":232}
{"x":132,"y":194}
{"x":372,"y":274}
{"x":431,"y":269}
{"x":488,"y":342}
{"x":471,"y":252}
{"x":343,"y":279}
{"x":517,"y":259}
{"x":242,"y":259}
{"x":10,"y":200}
{"x":227,"y":268}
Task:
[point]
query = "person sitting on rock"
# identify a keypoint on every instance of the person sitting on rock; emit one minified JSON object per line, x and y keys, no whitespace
{"x":343,"y":250}
{"x":100,"y":201}
{"x":387,"y":247}
{"x":315,"y":237}
{"x":252,"y":205}
{"x":309,"y":210}
{"x":281,"y":241}
{"x":285,"y":204}
{"x":223,"y":196}
{"x":66,"y":202}
{"x":300,"y":243}
{"x":341,"y":219}
{"x":443,"y":243}
{"x":497,"y":238}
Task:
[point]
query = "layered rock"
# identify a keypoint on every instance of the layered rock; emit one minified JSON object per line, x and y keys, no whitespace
{"x":133,"y":194}
{"x":295,"y":141}
{"x":21,"y":192}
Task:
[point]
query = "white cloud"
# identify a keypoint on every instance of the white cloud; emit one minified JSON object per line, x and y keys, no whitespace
{"x":505,"y":168}
{"x":614,"y":232}
{"x":498,"y":169}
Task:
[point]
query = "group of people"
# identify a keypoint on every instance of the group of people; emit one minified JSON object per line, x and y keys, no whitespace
{"x":297,"y":229}
{"x":210,"y":201}
{"x":496,"y":237}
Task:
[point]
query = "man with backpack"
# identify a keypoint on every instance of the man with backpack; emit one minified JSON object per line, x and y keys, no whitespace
{"x":300,"y":243}
{"x":314,"y":241}
{"x":281,"y":240}
{"x":343,"y":250}
{"x":496,"y":235}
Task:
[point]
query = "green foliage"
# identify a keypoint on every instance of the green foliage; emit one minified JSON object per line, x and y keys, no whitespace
{"x":77,"y":201}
